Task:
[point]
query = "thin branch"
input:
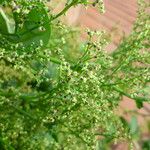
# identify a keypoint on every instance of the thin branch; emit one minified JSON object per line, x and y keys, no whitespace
{"x":23,"y":112}
{"x":64,"y":10}
{"x":137,"y":98}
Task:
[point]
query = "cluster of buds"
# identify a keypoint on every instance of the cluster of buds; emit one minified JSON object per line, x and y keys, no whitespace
{"x":100,"y":5}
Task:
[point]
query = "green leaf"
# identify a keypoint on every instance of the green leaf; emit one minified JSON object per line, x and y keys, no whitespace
{"x":1,"y":1}
{"x":124,"y":122}
{"x":139,"y":104}
{"x":7,"y":26}
{"x":133,"y":125}
{"x":34,"y":32}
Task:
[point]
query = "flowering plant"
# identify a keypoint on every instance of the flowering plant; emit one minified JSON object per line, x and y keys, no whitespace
{"x":59,"y":93}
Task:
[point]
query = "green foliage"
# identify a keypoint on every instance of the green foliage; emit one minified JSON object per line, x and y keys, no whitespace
{"x":26,"y":27}
{"x":146,"y":145}
{"x":58,"y":93}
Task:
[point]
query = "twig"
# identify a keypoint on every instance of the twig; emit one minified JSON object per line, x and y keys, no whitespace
{"x":64,"y":10}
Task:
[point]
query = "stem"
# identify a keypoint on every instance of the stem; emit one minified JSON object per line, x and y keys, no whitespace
{"x":64,"y":10}
{"x":52,"y":59}
{"x":120,"y":65}
{"x":141,"y":99}
{"x":85,"y":53}
{"x":23,"y":112}
{"x":81,"y":59}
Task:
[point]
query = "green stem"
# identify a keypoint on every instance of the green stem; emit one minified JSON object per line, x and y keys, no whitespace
{"x":141,"y":99}
{"x":52,"y":59}
{"x":23,"y":112}
{"x":65,"y":10}
{"x":85,"y":53}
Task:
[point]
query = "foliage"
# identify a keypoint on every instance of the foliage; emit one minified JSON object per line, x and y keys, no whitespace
{"x":58,"y":93}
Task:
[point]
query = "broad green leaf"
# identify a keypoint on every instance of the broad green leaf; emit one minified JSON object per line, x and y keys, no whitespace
{"x":33,"y":32}
{"x":29,"y":31}
{"x":7,"y":26}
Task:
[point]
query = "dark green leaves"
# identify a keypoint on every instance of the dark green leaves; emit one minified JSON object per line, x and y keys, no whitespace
{"x":139,"y":104}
